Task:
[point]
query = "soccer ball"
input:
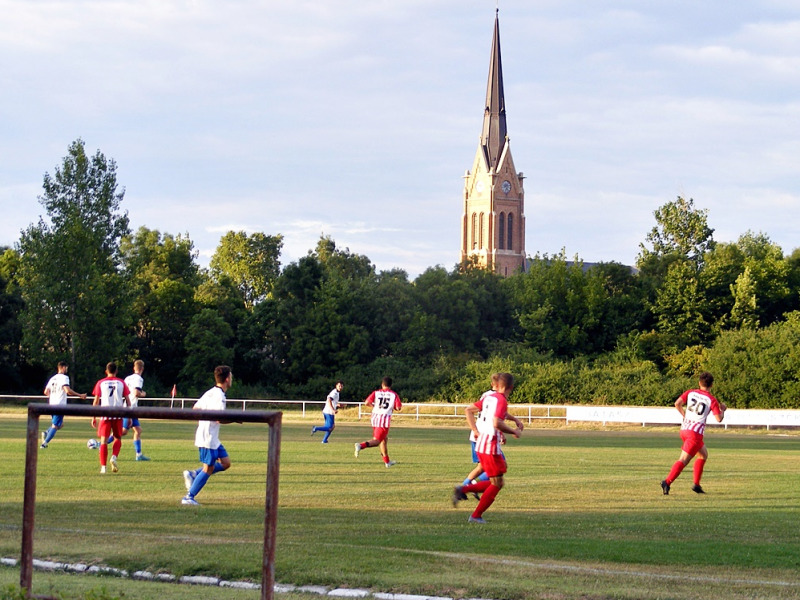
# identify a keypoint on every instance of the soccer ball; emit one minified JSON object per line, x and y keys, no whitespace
{"x":92,"y":444}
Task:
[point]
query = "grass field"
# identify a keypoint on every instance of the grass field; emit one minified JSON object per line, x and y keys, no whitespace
{"x":581,"y":516}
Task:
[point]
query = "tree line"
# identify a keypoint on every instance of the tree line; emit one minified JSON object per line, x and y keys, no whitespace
{"x":80,"y":286}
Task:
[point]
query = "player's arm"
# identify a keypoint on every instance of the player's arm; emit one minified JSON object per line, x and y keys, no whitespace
{"x":96,"y":402}
{"x":680,"y":404}
{"x":471,"y":411}
{"x":721,"y":414}
{"x":517,"y":422}
{"x":71,"y":392}
{"x":501,"y":425}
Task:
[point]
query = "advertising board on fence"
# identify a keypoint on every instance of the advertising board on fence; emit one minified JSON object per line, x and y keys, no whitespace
{"x":647,"y":415}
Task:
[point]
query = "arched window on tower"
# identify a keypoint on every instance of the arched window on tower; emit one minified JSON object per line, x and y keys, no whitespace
{"x":510,"y":232}
{"x":481,"y":228}
{"x":474,"y":236}
{"x":501,"y":232}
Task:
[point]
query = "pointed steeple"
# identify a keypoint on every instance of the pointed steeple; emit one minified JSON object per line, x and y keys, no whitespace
{"x":493,"y":137}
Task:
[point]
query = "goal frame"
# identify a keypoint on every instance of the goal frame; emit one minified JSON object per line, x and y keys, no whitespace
{"x":271,"y":418}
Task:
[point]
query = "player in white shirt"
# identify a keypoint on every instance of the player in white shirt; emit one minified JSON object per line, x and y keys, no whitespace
{"x":329,"y":412}
{"x":135,"y":383}
{"x":213,"y":456}
{"x":57,"y":390}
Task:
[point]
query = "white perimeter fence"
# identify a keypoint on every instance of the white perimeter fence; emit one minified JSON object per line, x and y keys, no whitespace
{"x":646,"y":415}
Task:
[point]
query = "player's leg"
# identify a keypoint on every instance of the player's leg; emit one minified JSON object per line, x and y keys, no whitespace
{"x":55,"y":424}
{"x":494,"y":465}
{"x":384,"y":447}
{"x":330,"y":425}
{"x":137,"y":440}
{"x":699,"y":463}
{"x":103,"y":431}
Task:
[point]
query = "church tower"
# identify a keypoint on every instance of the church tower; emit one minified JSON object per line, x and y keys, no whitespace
{"x":493,"y":222}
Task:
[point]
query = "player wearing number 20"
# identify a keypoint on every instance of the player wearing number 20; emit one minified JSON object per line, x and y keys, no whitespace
{"x":694,"y":406}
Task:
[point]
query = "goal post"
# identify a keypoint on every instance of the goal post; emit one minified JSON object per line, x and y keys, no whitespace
{"x":271,"y":418}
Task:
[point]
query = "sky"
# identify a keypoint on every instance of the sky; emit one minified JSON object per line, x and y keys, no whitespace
{"x":357,"y":120}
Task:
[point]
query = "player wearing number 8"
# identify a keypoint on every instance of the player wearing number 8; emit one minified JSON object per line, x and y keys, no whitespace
{"x":383,"y":402}
{"x":694,"y":406}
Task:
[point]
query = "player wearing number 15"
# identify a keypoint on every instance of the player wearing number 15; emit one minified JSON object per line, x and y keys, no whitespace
{"x":383,"y":402}
{"x":110,"y":391}
{"x":695,"y":406}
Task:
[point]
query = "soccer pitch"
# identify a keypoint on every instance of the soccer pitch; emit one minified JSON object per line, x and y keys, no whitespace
{"x":581,"y":515}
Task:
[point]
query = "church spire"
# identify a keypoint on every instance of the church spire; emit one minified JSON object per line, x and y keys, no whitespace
{"x":493,"y":136}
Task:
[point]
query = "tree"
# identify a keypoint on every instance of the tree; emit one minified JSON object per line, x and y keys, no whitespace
{"x":251,"y":262}
{"x":161,"y":276}
{"x":208,"y":344}
{"x":69,"y":267}
{"x":681,"y":230}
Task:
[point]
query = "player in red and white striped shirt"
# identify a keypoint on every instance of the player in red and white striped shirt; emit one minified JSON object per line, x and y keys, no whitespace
{"x":489,"y":427}
{"x":113,"y":392}
{"x":383,"y":402}
{"x":695,"y":406}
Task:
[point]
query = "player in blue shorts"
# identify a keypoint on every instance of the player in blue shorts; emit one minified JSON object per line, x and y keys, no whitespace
{"x":213,"y":456}
{"x":329,"y":412}
{"x":57,"y":390}
{"x":135,"y":383}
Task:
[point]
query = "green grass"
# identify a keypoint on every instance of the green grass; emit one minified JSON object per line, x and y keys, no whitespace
{"x":581,"y":516}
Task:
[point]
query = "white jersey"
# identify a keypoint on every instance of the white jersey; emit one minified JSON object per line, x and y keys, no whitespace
{"x":330,"y":407}
{"x":134,"y":382}
{"x":207,"y":435}
{"x":55,"y":388}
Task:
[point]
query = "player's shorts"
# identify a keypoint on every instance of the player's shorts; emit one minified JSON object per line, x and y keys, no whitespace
{"x":380,"y":433}
{"x":329,"y":420}
{"x":692,"y":441}
{"x":209,"y":456}
{"x":493,"y":464}
{"x":128,"y":423}
{"x":109,"y":426}
{"x":57,"y":420}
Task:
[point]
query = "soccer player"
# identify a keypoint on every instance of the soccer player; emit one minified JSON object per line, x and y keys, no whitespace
{"x":329,"y":412}
{"x":135,"y":383}
{"x":57,"y":390}
{"x":110,"y":391}
{"x":383,"y":402}
{"x":489,"y":427}
{"x":695,"y":406}
{"x":213,"y":456}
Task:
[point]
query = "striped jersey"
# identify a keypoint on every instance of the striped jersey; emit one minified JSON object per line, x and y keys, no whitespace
{"x":112,"y":392}
{"x":383,"y":403}
{"x":699,"y":404}
{"x":492,"y":404}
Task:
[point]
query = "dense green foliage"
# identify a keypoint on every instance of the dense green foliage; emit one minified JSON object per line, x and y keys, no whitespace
{"x":80,"y":286}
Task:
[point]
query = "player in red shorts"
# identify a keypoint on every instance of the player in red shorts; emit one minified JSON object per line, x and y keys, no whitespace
{"x":383,"y":402}
{"x":489,"y":427}
{"x":695,"y":406}
{"x":111,"y":391}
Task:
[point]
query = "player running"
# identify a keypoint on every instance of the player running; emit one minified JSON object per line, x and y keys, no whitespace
{"x":57,"y":390}
{"x":329,"y":412}
{"x":695,"y":406}
{"x":383,"y":402}
{"x":489,"y":427}
{"x":110,"y":391}
{"x":213,"y":456}
{"x":135,"y":383}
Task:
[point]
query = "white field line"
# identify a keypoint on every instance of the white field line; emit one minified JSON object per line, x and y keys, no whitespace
{"x":544,"y":566}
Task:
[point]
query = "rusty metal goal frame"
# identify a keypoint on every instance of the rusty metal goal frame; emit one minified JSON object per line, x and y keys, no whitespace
{"x":272,"y":418}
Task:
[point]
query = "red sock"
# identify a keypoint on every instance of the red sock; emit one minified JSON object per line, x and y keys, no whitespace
{"x":676,"y":470}
{"x":486,"y":499}
{"x":386,"y":459}
{"x":698,"y":470}
{"x":103,"y":454}
{"x":479,"y":487}
{"x":117,"y":446}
